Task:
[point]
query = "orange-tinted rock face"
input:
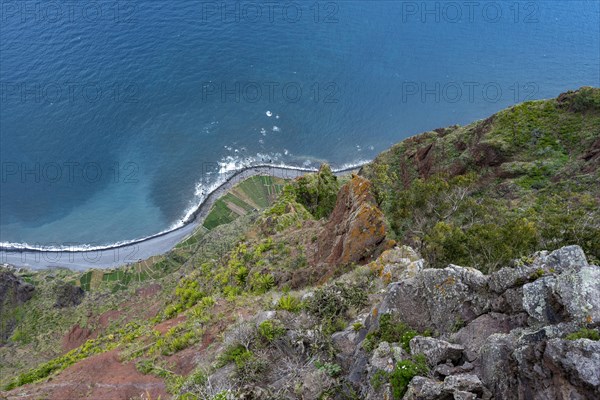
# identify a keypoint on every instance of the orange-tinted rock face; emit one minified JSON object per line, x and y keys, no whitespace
{"x":356,"y":228}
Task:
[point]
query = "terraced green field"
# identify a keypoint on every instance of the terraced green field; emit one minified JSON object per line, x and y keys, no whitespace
{"x":254,"y":193}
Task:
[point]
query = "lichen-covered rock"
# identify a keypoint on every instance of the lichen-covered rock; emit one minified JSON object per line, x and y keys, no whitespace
{"x":443,"y":370}
{"x":574,"y":362}
{"x":561,"y":259}
{"x":437,"y":298}
{"x":579,"y":291}
{"x":543,"y":263}
{"x":436,"y":351}
{"x":508,"y":329}
{"x":538,"y":365}
{"x":345,"y":343}
{"x":404,"y":270}
{"x":397,"y":264}
{"x":573,"y":295}
{"x":385,"y":357}
{"x":474,"y":335}
{"x":498,"y":366}
{"x":421,"y":388}
{"x":465,"y":386}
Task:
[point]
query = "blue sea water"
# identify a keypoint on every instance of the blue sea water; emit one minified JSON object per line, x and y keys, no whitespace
{"x":116,"y":117}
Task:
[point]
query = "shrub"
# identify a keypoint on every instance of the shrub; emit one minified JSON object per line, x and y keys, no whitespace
{"x":584,"y":333}
{"x":333,"y":301}
{"x":318,"y":192}
{"x":390,"y":331}
{"x":262,"y":283}
{"x":248,"y":368}
{"x":330,"y":369}
{"x":379,"y":378}
{"x":403,"y":373}
{"x":270,"y":330}
{"x":357,"y":326}
{"x":289,"y":303}
{"x":236,"y":354}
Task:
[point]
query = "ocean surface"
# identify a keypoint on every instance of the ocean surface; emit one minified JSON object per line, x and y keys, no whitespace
{"x":117,"y":118}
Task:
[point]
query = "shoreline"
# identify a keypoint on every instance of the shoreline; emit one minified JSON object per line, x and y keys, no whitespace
{"x":116,"y":255}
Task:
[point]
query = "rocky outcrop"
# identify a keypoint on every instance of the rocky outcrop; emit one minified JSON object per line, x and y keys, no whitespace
{"x":465,"y":387}
{"x":438,"y":299}
{"x":14,"y":292}
{"x":356,"y":228}
{"x":397,"y":264}
{"x":436,"y":351}
{"x":68,"y":295}
{"x":501,"y":336}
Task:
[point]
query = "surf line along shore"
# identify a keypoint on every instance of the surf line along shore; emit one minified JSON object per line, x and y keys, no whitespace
{"x":130,"y":252}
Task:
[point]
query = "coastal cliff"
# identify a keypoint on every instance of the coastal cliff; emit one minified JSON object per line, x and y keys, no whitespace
{"x":462,"y":263}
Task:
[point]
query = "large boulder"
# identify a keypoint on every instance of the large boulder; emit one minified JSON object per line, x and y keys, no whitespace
{"x":540,"y":366}
{"x":436,"y":351}
{"x":573,"y":295}
{"x":463,"y":387}
{"x":576,"y":367}
{"x":14,"y":292}
{"x":438,"y":299}
{"x":498,"y":367}
{"x":543,"y":263}
{"x":474,"y":335}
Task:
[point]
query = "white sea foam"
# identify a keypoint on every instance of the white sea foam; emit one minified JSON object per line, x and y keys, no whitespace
{"x":228,"y":167}
{"x":276,"y":129}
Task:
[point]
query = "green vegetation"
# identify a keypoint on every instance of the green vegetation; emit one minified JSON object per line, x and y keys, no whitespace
{"x":187,"y":295}
{"x":332,"y":305}
{"x":334,"y":301}
{"x":91,"y":347}
{"x":391,"y":332}
{"x":330,"y":369}
{"x":270,"y":330}
{"x":317,"y":192}
{"x":254,"y":193}
{"x":482,"y":195}
{"x":403,"y":373}
{"x":289,"y":303}
{"x":401,"y":376}
{"x":584,"y":333}
{"x":286,"y":212}
{"x":248,"y":367}
{"x":172,"y":380}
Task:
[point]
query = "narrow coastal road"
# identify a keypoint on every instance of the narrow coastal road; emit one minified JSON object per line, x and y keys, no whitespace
{"x":115,"y":256}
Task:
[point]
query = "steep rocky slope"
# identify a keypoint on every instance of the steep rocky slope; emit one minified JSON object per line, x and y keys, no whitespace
{"x":461,"y":264}
{"x":512,"y":334}
{"x":14,"y":292}
{"x":521,"y":180}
